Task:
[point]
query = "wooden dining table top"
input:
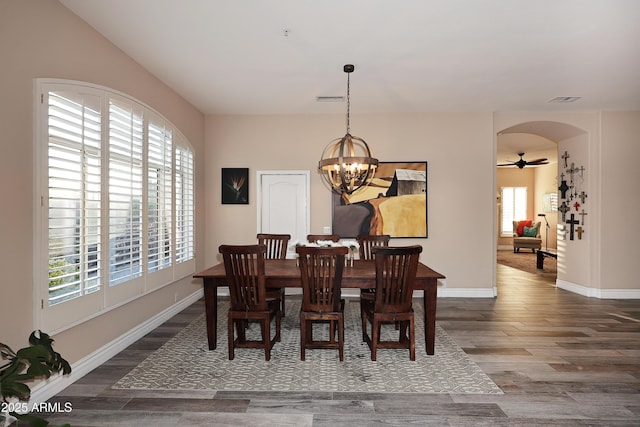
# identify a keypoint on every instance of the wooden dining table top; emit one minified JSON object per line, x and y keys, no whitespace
{"x":286,"y":273}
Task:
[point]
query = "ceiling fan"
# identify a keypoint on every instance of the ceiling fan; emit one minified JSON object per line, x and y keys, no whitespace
{"x":522,"y":162}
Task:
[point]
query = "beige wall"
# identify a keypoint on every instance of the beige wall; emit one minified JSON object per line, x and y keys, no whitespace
{"x":43,"y":39}
{"x":457,"y":147}
{"x":620,"y":207}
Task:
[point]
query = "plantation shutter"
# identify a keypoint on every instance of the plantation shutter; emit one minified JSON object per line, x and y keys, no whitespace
{"x":126,"y":135}
{"x":159,"y":196}
{"x":514,"y":208}
{"x":114,"y":203}
{"x":185,"y":221}
{"x":74,"y":195}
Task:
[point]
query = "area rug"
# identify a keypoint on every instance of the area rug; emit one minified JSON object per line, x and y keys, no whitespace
{"x":525,"y":260}
{"x":185,"y":363}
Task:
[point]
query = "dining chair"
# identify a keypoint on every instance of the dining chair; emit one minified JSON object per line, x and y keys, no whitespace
{"x":312,"y":238}
{"x":396,"y":269}
{"x":244,"y":269}
{"x":321,"y":276}
{"x":276,"y":245}
{"x":366,"y":242}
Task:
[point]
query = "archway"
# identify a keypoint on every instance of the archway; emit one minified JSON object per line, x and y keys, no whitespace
{"x":542,"y":138}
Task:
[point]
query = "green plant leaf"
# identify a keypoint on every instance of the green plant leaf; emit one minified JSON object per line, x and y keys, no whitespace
{"x":39,"y":360}
{"x":12,"y":388}
{"x":36,"y":352}
{"x":32,"y":420}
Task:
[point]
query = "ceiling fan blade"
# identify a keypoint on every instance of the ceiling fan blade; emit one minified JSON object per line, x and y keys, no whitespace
{"x":540,"y":161}
{"x":507,"y":164}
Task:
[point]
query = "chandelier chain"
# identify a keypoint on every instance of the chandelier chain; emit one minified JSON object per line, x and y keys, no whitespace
{"x":348,"y":103}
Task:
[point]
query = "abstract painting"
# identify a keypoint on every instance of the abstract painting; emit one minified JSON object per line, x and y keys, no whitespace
{"x":394,"y":203}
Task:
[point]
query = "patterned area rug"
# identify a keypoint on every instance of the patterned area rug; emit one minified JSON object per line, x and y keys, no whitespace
{"x":185,"y":363}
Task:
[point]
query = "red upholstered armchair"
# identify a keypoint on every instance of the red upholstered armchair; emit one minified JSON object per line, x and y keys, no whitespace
{"x":526,"y":234}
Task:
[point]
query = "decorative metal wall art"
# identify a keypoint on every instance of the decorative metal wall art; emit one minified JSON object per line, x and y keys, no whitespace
{"x":569,"y":191}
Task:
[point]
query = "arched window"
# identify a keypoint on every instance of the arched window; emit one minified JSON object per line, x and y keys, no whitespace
{"x":115,"y":186}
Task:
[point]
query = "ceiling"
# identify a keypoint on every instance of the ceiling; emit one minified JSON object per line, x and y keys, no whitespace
{"x":277,"y":56}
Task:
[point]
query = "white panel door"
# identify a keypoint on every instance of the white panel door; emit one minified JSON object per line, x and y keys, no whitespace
{"x":283,"y":204}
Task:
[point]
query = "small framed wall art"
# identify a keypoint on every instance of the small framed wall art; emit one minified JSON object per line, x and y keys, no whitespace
{"x":235,"y":186}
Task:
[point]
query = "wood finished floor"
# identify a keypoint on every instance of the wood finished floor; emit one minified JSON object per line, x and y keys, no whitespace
{"x":560,"y":358}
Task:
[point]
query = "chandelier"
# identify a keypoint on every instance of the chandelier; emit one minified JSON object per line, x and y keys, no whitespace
{"x":346,"y":163}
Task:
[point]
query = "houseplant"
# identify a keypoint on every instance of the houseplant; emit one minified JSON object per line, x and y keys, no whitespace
{"x":38,"y":361}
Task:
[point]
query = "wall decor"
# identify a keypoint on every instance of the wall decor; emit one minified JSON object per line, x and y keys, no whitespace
{"x":564,"y":208}
{"x":575,"y":181}
{"x":572,"y":222}
{"x":563,"y":187}
{"x":395,"y":203}
{"x":582,"y":214}
{"x":583,"y":197}
{"x":235,"y":186}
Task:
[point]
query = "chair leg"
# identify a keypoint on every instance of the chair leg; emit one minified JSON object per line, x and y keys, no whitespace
{"x":241,"y":326}
{"x":332,"y":331}
{"x":412,"y":341}
{"x":266,"y":338}
{"x":283,"y":303}
{"x":230,"y":322}
{"x":341,"y":338}
{"x":375,"y":332}
{"x":303,"y":338}
{"x":364,"y":325}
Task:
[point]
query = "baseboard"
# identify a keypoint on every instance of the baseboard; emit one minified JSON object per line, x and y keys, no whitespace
{"x":443,"y":292}
{"x":618,"y":293}
{"x":44,"y":390}
{"x":468,"y":292}
{"x":575,"y":288}
{"x":598,"y":293}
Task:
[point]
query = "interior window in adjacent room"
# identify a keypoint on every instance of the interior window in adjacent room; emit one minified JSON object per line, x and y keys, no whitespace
{"x":514,"y":208}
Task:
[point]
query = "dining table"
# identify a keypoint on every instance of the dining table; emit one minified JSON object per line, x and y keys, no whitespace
{"x":285,"y":273}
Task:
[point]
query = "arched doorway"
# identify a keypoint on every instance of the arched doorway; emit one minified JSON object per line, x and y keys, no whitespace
{"x":537,"y":139}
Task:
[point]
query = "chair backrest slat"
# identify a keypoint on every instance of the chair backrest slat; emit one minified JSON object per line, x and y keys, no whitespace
{"x":367,"y":242}
{"x":396,"y":269}
{"x":321,"y":276}
{"x":244,"y":268}
{"x":275,"y":244}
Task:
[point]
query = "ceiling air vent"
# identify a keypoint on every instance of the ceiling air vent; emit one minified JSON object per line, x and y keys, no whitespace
{"x":565,"y":99}
{"x":329,"y":98}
